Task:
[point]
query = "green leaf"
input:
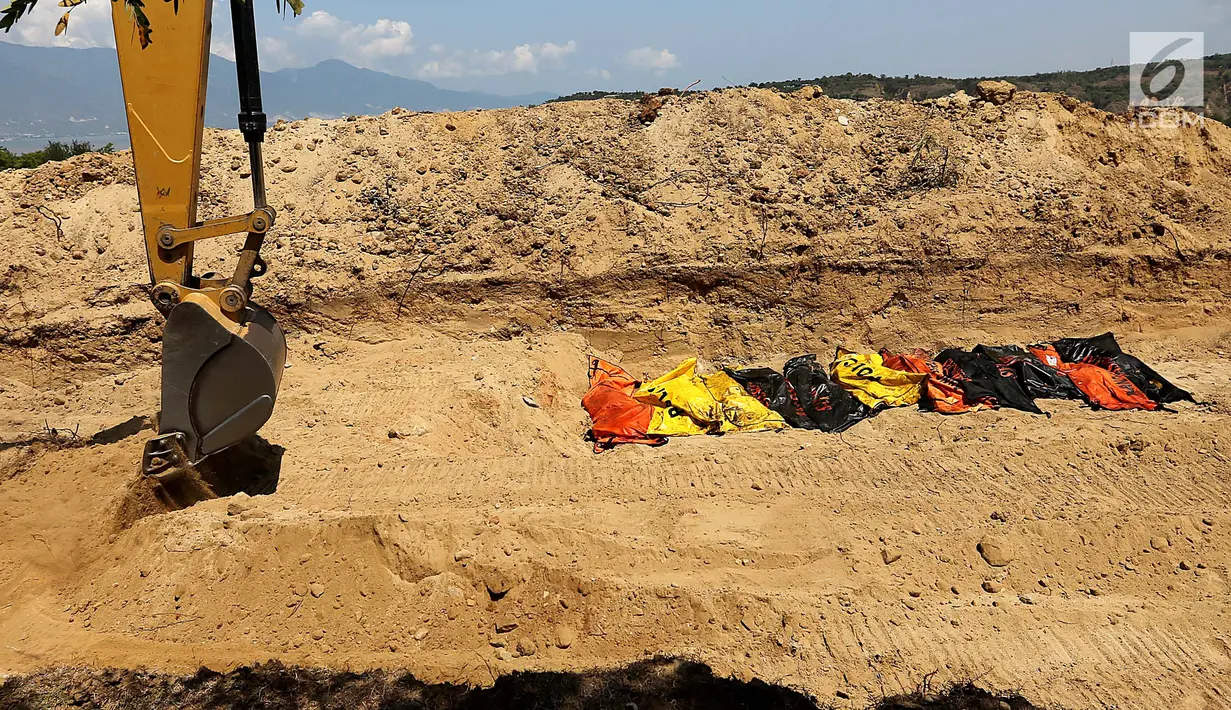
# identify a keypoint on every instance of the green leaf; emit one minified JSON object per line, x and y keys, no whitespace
{"x":14,"y":12}
{"x":295,"y":5}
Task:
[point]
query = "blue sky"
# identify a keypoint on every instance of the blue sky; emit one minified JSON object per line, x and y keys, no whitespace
{"x":551,"y":45}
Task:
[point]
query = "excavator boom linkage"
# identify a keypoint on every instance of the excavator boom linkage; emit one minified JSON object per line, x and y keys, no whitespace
{"x":223,"y":355}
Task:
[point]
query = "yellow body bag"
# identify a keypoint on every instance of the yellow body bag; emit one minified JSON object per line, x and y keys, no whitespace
{"x":690,"y":404}
{"x":866,"y":377}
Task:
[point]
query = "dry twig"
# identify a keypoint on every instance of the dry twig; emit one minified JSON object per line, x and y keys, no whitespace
{"x":151,"y":629}
{"x":410,"y":281}
{"x":55,"y":219}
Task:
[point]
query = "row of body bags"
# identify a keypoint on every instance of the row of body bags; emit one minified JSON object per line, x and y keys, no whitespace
{"x":855,"y":386}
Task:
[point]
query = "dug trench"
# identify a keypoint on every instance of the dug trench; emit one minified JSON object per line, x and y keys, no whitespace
{"x":437,"y":513}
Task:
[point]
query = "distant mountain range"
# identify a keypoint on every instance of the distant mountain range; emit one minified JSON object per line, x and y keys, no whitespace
{"x":55,"y":92}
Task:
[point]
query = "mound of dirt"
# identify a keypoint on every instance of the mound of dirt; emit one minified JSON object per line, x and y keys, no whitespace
{"x":436,"y":273}
{"x":876,"y":221}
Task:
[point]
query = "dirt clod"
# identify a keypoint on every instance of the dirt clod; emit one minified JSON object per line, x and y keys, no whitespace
{"x":995,"y":550}
{"x":526,"y":647}
{"x":648,"y":109}
{"x":997,"y":93}
{"x":239,"y":506}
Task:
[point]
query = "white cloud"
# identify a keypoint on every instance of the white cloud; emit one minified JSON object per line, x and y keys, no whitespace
{"x":522,"y":59}
{"x":599,"y":73}
{"x":89,"y":26}
{"x":225,"y":48}
{"x":556,"y":52}
{"x":373,"y":46}
{"x":441,"y":68}
{"x":647,"y":59}
{"x":221,"y":42}
{"x":275,"y":52}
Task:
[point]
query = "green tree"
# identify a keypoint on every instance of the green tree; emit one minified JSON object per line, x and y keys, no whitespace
{"x":57,"y":151}
{"x":54,"y":151}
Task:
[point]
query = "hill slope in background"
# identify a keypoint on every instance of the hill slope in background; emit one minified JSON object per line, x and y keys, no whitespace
{"x":1106,"y":88}
{"x":55,"y":92}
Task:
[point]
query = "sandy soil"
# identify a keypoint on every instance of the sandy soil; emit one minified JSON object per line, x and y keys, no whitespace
{"x":434,"y":270}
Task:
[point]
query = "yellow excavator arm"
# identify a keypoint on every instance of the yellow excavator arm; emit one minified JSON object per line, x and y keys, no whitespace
{"x":223,"y":355}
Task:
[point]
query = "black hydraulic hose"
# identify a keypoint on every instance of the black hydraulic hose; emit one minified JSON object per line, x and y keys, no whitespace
{"x":253,"y":124}
{"x":252,"y":120}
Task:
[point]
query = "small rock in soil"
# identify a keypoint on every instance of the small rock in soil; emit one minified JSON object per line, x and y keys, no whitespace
{"x":238,"y":506}
{"x":497,"y":581}
{"x":995,"y":550}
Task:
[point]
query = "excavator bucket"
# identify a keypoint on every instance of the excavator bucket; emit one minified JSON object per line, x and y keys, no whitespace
{"x":220,"y":382}
{"x":219,"y":386}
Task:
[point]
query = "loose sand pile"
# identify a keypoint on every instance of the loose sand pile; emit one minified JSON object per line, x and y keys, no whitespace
{"x":434,"y":270}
